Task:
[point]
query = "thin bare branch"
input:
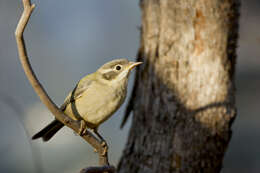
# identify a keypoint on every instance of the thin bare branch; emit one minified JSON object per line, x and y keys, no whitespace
{"x":75,"y":125}
{"x":109,"y":169}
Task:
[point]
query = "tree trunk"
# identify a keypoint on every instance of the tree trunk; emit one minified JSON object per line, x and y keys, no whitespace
{"x":183,"y":100}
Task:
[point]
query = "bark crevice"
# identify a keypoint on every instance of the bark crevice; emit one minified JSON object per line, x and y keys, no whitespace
{"x":183,"y":100}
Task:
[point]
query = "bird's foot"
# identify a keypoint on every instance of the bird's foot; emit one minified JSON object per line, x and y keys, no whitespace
{"x":67,"y":120}
{"x":105,"y":148}
{"x":103,"y":144}
{"x":85,"y":131}
{"x":83,"y":128}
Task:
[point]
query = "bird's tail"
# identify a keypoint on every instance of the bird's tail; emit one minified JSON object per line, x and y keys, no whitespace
{"x":47,"y":132}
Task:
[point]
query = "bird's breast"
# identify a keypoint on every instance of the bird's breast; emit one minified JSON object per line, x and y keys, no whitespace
{"x":98,"y":103}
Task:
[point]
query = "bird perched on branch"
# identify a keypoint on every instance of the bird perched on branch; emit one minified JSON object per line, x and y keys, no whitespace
{"x":95,"y":98}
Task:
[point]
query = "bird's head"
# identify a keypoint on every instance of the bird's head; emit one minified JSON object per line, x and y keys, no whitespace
{"x":116,"y":71}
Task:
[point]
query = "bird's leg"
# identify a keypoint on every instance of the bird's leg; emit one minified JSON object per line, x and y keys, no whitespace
{"x":100,"y":137}
{"x":103,"y":141}
{"x":83,"y":127}
{"x":85,"y":131}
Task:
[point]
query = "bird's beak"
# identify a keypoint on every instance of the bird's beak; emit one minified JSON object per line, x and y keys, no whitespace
{"x":133,"y":64}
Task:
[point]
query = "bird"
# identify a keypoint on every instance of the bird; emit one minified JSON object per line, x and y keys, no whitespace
{"x":94,"y":99}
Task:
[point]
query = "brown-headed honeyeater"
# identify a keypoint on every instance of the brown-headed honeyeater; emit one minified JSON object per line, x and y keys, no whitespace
{"x":95,"y":98}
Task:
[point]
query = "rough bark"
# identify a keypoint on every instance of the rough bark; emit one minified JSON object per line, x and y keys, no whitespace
{"x":183,"y":100}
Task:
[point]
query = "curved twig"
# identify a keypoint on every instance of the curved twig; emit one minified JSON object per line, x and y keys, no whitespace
{"x":74,"y":125}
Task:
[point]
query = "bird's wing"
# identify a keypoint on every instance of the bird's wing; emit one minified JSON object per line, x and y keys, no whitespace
{"x":76,"y":92}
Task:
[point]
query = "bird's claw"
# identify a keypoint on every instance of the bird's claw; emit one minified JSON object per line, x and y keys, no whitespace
{"x":103,"y":144}
{"x":67,"y":120}
{"x":85,"y":131}
{"x":105,"y":148}
{"x":83,"y":128}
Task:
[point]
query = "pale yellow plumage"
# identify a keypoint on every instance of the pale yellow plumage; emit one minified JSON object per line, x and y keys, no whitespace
{"x":92,"y":101}
{"x":95,"y":98}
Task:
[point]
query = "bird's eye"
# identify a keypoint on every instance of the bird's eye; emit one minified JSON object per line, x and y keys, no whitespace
{"x":118,"y":67}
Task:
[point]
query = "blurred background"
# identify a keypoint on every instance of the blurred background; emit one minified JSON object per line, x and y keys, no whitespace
{"x":69,"y":39}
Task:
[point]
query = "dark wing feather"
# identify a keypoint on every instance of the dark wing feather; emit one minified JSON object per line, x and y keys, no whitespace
{"x":76,"y":92}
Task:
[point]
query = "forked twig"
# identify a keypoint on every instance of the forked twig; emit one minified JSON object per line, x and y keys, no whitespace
{"x":74,"y":125}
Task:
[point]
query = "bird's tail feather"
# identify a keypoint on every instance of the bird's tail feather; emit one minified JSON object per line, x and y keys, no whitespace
{"x":47,"y":132}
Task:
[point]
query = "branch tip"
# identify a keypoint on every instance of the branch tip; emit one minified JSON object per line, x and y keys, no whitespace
{"x":59,"y":115}
{"x":33,"y":6}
